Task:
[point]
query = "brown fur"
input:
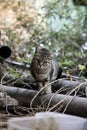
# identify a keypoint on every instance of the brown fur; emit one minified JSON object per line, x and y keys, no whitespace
{"x":43,"y":69}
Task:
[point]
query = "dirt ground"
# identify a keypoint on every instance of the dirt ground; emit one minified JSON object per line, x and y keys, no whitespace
{"x":6,"y":114}
{"x":3,"y":121}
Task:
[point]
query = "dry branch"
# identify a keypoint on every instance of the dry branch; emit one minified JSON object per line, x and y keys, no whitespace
{"x":64,"y":85}
{"x":18,"y":64}
{"x":76,"y":106}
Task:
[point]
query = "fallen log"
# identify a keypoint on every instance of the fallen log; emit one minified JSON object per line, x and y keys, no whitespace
{"x":70,"y":104}
{"x":23,"y":82}
{"x":64,"y":85}
{"x":67,"y":85}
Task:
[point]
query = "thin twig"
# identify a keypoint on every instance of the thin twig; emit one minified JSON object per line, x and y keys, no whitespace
{"x":65,"y":97}
{"x":41,"y":91}
{"x":70,"y":101}
{"x":52,"y":98}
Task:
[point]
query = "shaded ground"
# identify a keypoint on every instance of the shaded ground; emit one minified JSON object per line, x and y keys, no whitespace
{"x":3,"y":119}
{"x":4,"y":116}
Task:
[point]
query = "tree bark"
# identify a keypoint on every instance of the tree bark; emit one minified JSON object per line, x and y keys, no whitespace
{"x":67,"y":85}
{"x":64,"y":85}
{"x":70,"y":104}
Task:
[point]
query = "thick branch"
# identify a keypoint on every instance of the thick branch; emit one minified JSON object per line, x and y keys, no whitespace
{"x":76,"y":106}
{"x":18,"y":64}
{"x":64,"y":85}
{"x":67,"y":85}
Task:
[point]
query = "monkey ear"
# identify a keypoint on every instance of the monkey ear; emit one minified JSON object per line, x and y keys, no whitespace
{"x":37,"y":48}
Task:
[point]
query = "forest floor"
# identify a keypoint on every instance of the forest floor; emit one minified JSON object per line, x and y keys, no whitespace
{"x":3,"y":119}
{"x":5,"y":115}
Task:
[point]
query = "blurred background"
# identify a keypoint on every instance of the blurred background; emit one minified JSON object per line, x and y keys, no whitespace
{"x":59,"y":25}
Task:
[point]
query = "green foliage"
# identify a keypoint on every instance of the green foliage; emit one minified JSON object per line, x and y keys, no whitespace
{"x":64,"y":25}
{"x":57,"y":25}
{"x":14,"y":73}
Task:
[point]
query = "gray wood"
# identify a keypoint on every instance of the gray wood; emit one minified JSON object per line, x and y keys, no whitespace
{"x":76,"y":106}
